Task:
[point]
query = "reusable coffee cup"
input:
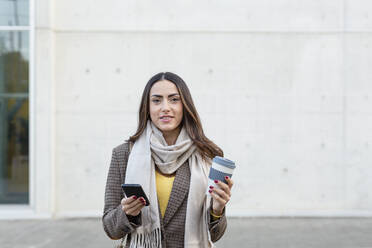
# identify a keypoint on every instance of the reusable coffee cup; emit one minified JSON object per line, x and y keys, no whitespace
{"x":221,"y":167}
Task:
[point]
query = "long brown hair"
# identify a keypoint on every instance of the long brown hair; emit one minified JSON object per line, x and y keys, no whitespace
{"x":190,"y":120}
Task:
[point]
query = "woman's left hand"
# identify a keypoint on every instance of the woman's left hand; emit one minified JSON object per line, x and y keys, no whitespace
{"x":221,"y":195}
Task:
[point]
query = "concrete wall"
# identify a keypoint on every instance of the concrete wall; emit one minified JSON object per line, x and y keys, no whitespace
{"x":283,"y":86}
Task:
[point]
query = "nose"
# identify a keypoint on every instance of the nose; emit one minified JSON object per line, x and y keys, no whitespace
{"x":165,"y":106}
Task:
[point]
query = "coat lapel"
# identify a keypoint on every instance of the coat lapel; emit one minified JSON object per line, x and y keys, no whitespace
{"x":179,"y":191}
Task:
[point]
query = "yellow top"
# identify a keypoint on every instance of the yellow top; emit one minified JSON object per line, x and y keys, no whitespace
{"x":164,"y":186}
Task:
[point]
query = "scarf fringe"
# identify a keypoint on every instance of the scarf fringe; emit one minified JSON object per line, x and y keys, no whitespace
{"x":146,"y":240}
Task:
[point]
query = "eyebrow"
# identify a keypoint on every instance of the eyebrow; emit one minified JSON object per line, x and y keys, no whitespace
{"x":174,"y":94}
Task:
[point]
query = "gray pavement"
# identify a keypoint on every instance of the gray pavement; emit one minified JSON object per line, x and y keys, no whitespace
{"x":247,"y":232}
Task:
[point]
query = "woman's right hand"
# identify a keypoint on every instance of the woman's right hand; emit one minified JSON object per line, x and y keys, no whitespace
{"x":132,"y":206}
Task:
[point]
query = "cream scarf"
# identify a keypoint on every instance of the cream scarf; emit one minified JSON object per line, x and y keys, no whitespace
{"x":150,"y":149}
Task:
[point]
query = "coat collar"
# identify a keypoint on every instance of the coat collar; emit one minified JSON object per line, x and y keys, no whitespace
{"x":179,"y":191}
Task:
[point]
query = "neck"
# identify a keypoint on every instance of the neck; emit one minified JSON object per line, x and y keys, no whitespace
{"x":171,"y":137}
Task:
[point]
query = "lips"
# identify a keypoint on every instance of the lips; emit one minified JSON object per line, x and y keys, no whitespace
{"x":166,"y":117}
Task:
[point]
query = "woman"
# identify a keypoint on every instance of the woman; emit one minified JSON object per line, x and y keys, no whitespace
{"x":170,"y":157}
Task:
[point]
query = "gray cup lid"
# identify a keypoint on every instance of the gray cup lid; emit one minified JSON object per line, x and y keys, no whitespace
{"x":224,"y":161}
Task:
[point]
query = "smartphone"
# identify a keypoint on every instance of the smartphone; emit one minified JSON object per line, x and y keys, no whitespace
{"x":135,"y":189}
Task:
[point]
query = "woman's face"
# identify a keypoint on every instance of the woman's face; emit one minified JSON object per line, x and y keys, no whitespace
{"x":166,"y":109}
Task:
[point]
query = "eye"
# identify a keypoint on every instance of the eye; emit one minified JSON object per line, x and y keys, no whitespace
{"x":155,"y":100}
{"x":175,"y":99}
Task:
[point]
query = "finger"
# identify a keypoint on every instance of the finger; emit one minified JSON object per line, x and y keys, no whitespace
{"x":140,"y":206}
{"x":218,"y":198}
{"x":134,"y":211}
{"x":229,"y":181}
{"x":136,"y":202}
{"x":142,"y":200}
{"x":128,"y":200}
{"x":132,"y":204}
{"x":223,"y":186}
{"x":129,"y":208}
{"x":222,"y":194}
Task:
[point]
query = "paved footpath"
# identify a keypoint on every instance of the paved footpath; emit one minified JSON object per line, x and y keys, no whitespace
{"x":247,"y":232}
